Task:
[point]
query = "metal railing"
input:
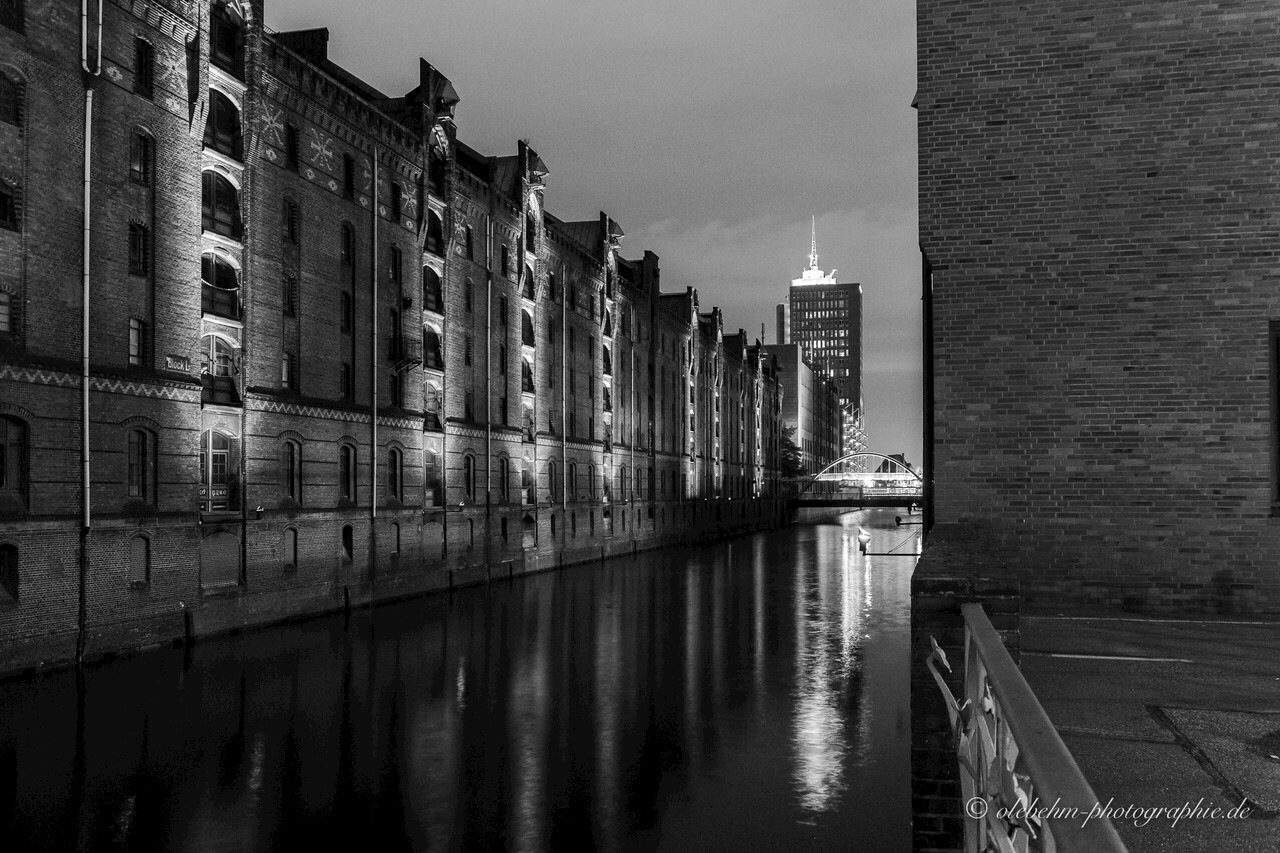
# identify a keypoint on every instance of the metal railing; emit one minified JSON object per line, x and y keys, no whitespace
{"x":1020,"y":787}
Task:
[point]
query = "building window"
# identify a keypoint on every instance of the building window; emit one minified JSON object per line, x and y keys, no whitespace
{"x":348,"y":176}
{"x":289,"y":550}
{"x":6,"y":313}
{"x":226,"y":41}
{"x":347,"y":472}
{"x":8,"y":205}
{"x":144,"y":60}
{"x":219,"y":205}
{"x":431,"y":356}
{"x":137,"y":342}
{"x":468,"y":240}
{"x":466,"y":353}
{"x":551,"y":286}
{"x":397,"y":390}
{"x":289,"y":221}
{"x":432,"y":291}
{"x":395,"y":471}
{"x":139,"y":561}
{"x":289,"y":295}
{"x":504,"y":478}
{"x":291,"y":158}
{"x":431,"y":478}
{"x":346,"y":382}
{"x":11,"y":16}
{"x":469,"y":476}
{"x":571,"y":482}
{"x":502,"y":359}
{"x":139,"y":249}
{"x":394,"y":264}
{"x":506,"y":260}
{"x":141,"y":157}
{"x":222,"y":128}
{"x":347,"y":249}
{"x":502,"y":311}
{"x":395,"y":539}
{"x":395,"y":200}
{"x":348,"y":543}
{"x":219,"y":462}
{"x":526,"y":329}
{"x":468,"y":406}
{"x":141,"y":465}
{"x":553,"y":487}
{"x":217,"y":358}
{"x":9,"y":567}
{"x":347,"y":320}
{"x":288,"y":371}
{"x":13,"y":454}
{"x":291,"y":470}
{"x":468,"y":295}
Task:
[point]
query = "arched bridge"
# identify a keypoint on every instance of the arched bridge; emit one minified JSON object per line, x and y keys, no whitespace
{"x":839,"y":484}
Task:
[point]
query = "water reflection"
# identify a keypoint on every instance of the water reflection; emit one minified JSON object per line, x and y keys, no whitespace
{"x":747,"y":696}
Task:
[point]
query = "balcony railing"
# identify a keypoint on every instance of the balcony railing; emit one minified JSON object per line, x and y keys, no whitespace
{"x":405,"y":352}
{"x":1012,"y":759}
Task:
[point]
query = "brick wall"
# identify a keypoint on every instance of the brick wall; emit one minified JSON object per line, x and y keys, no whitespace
{"x":1097,"y":185}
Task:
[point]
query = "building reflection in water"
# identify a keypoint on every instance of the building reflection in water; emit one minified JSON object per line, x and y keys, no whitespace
{"x":717,"y":698}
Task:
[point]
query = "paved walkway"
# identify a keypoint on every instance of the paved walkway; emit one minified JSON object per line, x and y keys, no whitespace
{"x":1162,"y":713}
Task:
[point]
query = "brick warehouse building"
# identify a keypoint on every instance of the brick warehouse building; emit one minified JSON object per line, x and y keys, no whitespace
{"x":333,"y":354}
{"x":1098,"y":187}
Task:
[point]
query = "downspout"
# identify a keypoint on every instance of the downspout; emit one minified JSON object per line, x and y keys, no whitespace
{"x":564,"y":390}
{"x":86,"y":499}
{"x":488,"y":369}
{"x":373,"y":380}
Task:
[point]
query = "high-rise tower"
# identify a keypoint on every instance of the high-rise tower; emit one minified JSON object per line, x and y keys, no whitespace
{"x":825,"y":317}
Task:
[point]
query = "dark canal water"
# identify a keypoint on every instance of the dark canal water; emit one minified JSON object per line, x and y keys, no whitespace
{"x":747,"y":696}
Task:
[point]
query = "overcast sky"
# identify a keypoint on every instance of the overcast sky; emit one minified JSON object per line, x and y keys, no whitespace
{"x":710,"y":130}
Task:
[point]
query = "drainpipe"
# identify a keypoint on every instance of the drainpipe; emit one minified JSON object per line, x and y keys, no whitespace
{"x":373,"y":381}
{"x":90,"y":76}
{"x":564,"y":390}
{"x":488,"y":369}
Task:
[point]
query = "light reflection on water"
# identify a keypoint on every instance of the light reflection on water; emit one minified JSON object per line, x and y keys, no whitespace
{"x":751,"y":695}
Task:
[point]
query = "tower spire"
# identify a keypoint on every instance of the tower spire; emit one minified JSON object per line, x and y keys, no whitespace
{"x":813,"y":245}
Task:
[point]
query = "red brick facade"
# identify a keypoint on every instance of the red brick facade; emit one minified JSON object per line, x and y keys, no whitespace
{"x":334,"y":355}
{"x":1097,"y":215}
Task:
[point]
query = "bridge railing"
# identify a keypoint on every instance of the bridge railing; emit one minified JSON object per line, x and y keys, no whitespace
{"x":1020,"y":787}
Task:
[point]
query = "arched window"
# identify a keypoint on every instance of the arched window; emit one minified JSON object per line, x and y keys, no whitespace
{"x":431,"y":476}
{"x":10,"y":100}
{"x":222,"y":129}
{"x":141,"y":474}
{"x":608,"y":362}
{"x":395,"y":540}
{"x":220,"y":286}
{"x":395,"y":266}
{"x":291,"y":470}
{"x":396,"y":200}
{"x":139,"y":561}
{"x":553,"y":487}
{"x":527,"y":290}
{"x":504,"y":478}
{"x":9,"y":574}
{"x":142,"y":149}
{"x":432,"y":293}
{"x":395,"y":471}
{"x":289,"y":549}
{"x":526,"y":376}
{"x":219,"y":205}
{"x":13,"y":458}
{"x":571,"y":483}
{"x":217,"y":356}
{"x":528,"y":495}
{"x":469,"y":476}
{"x":526,"y":329}
{"x":435,"y":234}
{"x":219,"y":467}
{"x":347,"y":472}
{"x":591,"y":482}
{"x":348,"y":543}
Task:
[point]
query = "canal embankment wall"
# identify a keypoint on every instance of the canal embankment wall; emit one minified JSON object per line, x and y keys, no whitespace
{"x":288,"y":576}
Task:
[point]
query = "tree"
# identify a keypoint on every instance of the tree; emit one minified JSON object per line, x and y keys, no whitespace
{"x":790,"y":464}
